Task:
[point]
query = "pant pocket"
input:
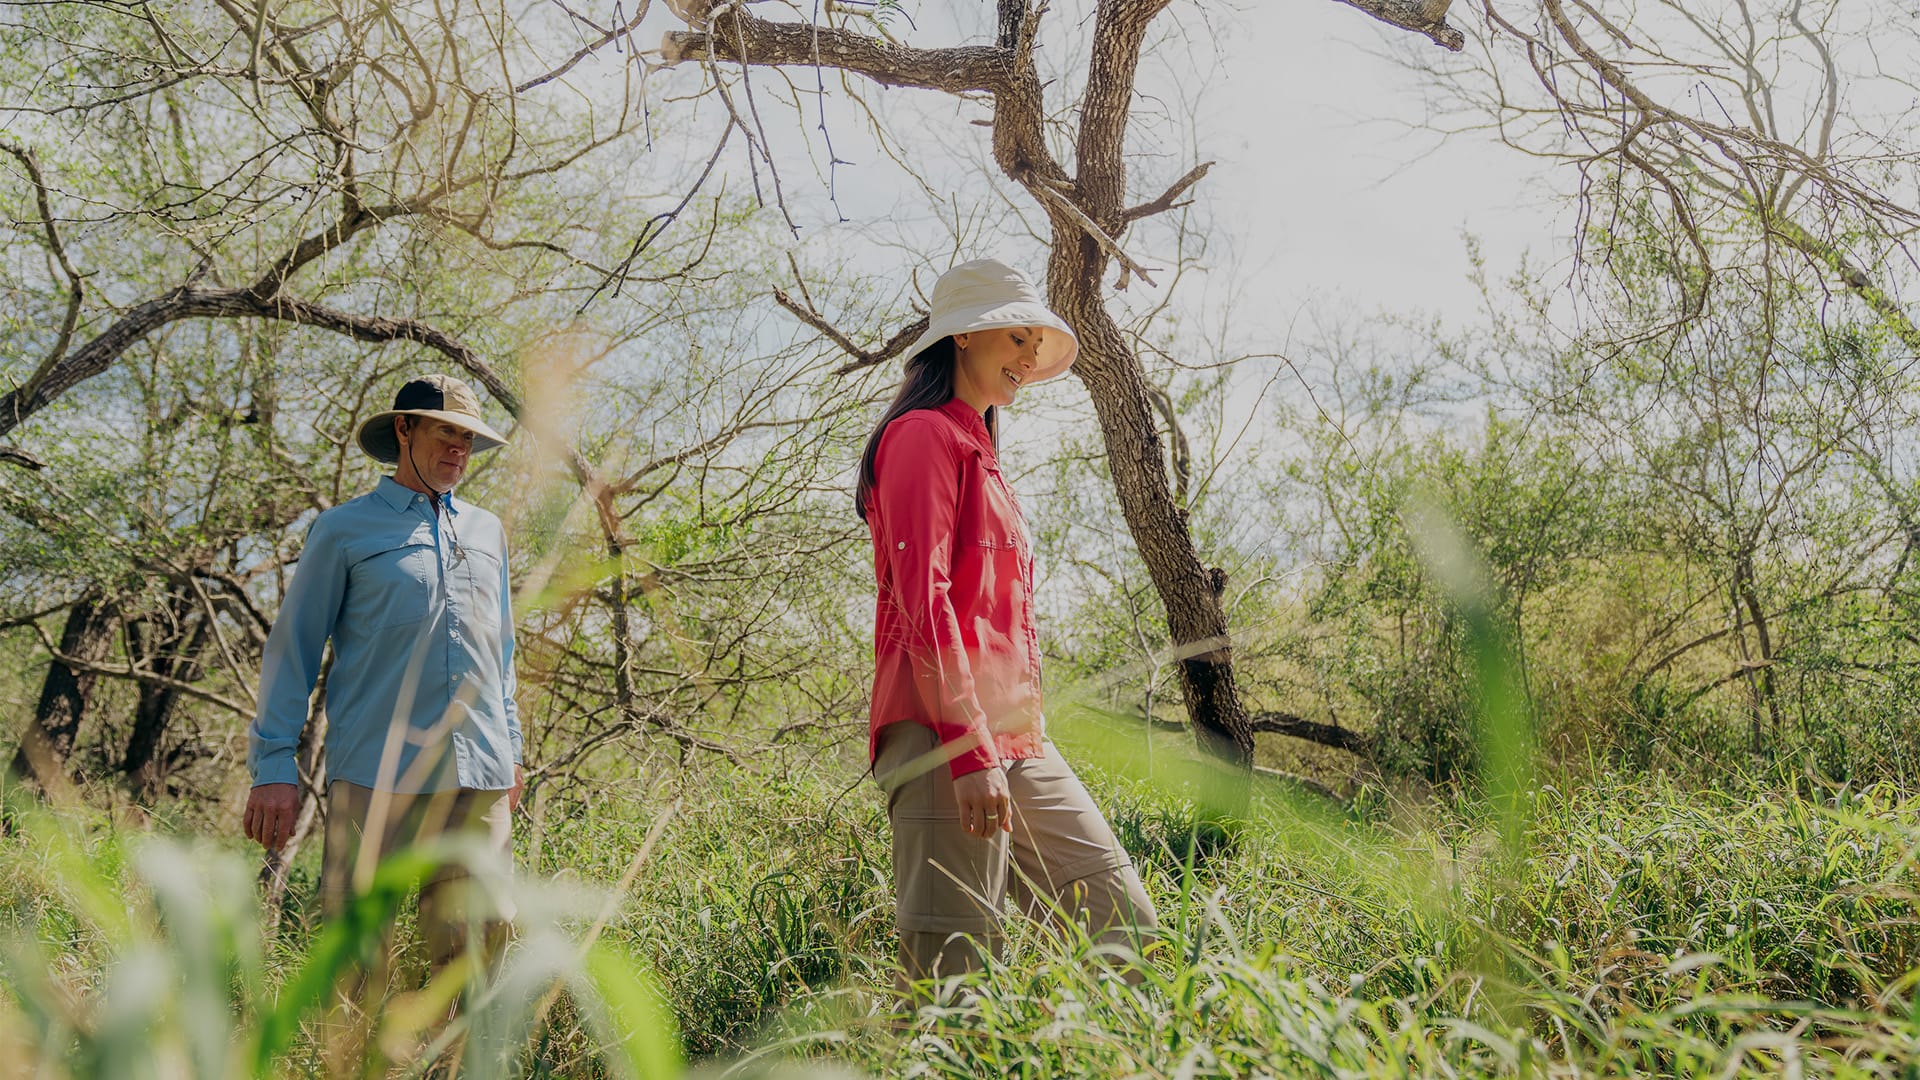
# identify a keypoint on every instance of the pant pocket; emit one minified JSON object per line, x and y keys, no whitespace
{"x":945,"y":879}
{"x":917,"y":784}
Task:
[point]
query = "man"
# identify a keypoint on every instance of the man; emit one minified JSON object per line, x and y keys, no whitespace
{"x":423,"y":738}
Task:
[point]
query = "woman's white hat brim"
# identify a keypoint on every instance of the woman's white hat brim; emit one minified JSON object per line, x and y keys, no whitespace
{"x":377,"y":437}
{"x":1058,"y":347}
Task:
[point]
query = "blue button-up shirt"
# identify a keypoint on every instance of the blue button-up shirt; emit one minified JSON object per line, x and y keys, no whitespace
{"x":420,"y":697}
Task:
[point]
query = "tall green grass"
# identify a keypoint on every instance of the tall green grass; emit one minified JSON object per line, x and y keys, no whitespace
{"x":1632,"y":924}
{"x":1649,"y":928}
{"x":133,"y":956}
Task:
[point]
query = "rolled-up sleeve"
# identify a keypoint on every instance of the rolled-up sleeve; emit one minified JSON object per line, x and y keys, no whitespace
{"x":509,"y":683}
{"x":917,"y":496}
{"x":291,"y":664}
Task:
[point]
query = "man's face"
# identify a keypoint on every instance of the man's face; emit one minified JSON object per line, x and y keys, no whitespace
{"x":437,"y":450}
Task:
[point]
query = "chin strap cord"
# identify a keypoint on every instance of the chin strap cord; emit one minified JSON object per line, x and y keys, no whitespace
{"x":435,"y":496}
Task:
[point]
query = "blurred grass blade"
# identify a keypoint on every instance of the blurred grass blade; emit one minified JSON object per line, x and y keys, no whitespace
{"x":640,"y":1025}
{"x":1504,"y":735}
{"x":344,"y":941}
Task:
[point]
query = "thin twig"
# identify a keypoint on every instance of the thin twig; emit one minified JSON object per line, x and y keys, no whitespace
{"x":862,"y":358}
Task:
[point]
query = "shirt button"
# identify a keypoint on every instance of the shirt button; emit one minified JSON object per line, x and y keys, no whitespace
{"x":903,"y":545}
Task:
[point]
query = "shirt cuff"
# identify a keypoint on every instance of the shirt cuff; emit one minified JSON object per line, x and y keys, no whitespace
{"x":978,"y":755}
{"x":276,"y":771}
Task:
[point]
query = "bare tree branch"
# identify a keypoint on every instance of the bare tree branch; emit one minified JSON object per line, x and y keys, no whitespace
{"x":21,"y":458}
{"x":140,"y":675}
{"x":1428,"y":17}
{"x":1099,"y":236}
{"x":76,"y":285}
{"x":1169,"y":198}
{"x":862,"y":358}
{"x":610,"y":37}
{"x":955,"y":70}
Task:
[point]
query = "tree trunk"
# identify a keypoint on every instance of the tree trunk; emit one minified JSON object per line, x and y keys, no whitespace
{"x":48,"y":740}
{"x":1759,"y":670}
{"x":1188,"y":589}
{"x":175,"y":655}
{"x":1112,"y":372}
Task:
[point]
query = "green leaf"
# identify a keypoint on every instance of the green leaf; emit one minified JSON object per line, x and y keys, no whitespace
{"x":642,"y":1027}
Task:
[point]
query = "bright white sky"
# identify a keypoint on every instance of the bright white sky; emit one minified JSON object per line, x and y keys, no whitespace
{"x":1323,"y":192}
{"x":1333,"y":193}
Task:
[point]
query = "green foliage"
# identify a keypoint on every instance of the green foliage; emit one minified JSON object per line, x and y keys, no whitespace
{"x":745,"y":905}
{"x":154,"y":965}
{"x":1647,"y":927}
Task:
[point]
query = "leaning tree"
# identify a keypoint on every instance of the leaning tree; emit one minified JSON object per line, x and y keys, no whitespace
{"x":1089,"y":207}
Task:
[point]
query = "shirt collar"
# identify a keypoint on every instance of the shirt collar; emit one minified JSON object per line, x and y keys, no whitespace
{"x":972,"y":422}
{"x":399,"y":496}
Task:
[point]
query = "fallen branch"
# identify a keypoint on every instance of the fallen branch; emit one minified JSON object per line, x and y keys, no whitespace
{"x":1333,"y":735}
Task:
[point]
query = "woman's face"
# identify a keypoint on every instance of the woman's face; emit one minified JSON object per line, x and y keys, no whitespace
{"x":990,"y":366}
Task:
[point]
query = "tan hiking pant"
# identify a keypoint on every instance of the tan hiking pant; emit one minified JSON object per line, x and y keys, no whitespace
{"x":449,"y":905}
{"x":950,"y":886}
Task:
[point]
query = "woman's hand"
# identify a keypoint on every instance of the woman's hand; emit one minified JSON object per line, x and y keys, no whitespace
{"x":985,"y":804}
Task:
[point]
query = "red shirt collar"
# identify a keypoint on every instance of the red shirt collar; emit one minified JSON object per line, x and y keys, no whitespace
{"x":970,"y":421}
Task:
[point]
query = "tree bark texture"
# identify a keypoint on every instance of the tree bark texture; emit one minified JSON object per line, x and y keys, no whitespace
{"x":1427,"y":17}
{"x":48,"y":739}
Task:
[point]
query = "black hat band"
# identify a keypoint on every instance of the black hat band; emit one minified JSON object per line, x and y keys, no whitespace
{"x":420,"y":394}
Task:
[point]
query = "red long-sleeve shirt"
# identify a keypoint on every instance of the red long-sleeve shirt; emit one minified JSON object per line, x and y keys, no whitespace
{"x":954,"y":646}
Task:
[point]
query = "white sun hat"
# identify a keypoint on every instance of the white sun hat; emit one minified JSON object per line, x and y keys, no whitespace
{"x":434,"y":397}
{"x":986,"y":294}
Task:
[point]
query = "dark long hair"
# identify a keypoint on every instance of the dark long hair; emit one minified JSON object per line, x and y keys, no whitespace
{"x":928,"y":385}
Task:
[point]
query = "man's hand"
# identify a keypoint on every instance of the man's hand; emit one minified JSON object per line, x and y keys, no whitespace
{"x":271,"y":809}
{"x":519,"y":785}
{"x":985,"y":804}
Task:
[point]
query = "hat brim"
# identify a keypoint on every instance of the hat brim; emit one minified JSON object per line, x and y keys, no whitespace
{"x":377,"y":438}
{"x":1057,"y":350}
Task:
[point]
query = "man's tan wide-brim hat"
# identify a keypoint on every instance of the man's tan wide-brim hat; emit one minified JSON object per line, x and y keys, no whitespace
{"x":986,"y":294}
{"x":435,"y":397}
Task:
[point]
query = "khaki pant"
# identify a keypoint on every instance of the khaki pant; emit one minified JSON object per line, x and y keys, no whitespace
{"x":950,"y":886}
{"x":449,"y":904}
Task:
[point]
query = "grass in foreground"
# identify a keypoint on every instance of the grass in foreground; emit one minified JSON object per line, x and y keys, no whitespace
{"x":1648,"y":928}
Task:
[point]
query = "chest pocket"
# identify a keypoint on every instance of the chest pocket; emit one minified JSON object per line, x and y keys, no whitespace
{"x":995,"y":518}
{"x":393,"y":582}
{"x":481,"y":573}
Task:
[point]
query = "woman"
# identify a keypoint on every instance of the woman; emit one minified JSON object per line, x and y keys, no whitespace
{"x":958,"y":741}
